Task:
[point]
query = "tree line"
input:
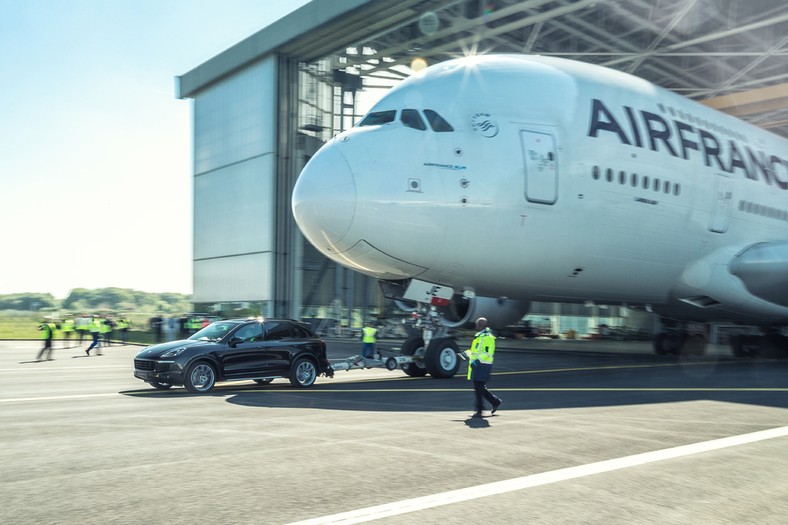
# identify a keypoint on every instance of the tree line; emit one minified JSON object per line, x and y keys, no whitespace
{"x":99,"y":299}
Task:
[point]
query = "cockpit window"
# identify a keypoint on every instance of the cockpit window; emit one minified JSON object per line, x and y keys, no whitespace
{"x":378,"y":118}
{"x":412,"y":119}
{"x":437,"y":123}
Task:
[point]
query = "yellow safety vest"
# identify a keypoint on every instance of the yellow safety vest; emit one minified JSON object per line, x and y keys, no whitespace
{"x":67,"y":325}
{"x":482,"y":349}
{"x":47,"y":330}
{"x":369,"y":334}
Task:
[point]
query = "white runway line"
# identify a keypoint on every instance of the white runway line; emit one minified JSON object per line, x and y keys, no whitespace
{"x":57,"y":398}
{"x":535,"y":480}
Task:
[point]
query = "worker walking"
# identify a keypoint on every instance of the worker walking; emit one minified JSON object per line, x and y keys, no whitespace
{"x":368,"y":339}
{"x":47,"y":329}
{"x":95,"y":331}
{"x":480,"y":357}
{"x":67,"y":327}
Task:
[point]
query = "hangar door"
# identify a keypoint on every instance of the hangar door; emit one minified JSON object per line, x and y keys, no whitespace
{"x":541,"y":168}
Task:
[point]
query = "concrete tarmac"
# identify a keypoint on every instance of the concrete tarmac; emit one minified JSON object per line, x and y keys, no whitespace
{"x":586,"y":434}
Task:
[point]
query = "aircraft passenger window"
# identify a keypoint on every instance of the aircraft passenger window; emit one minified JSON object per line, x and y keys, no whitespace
{"x":378,"y":118}
{"x":676,"y":190}
{"x":622,"y":177}
{"x":595,"y":172}
{"x":411,"y":119}
{"x":609,"y":175}
{"x":437,"y":123}
{"x":656,"y":184}
{"x":645,"y":182}
{"x":634,"y":180}
{"x":666,"y":187}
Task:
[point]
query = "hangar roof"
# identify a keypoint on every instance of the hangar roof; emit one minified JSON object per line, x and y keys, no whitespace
{"x":730,"y":54}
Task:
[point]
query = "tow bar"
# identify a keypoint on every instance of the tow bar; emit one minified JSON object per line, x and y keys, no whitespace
{"x":357,"y":362}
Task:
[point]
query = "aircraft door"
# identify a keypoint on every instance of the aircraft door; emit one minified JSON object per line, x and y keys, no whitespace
{"x":723,"y":201}
{"x":541,"y":168}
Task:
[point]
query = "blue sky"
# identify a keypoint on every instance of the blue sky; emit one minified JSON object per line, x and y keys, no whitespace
{"x":95,"y":150}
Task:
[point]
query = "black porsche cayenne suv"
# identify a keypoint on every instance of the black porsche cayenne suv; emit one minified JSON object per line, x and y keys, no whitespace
{"x":236,"y":349}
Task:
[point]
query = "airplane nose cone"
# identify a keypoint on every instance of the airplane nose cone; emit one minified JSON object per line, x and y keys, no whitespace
{"x":324,"y":199}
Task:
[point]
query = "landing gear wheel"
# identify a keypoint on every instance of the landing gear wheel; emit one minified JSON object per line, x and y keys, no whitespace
{"x":441,"y":358}
{"x":414,"y":347}
{"x":303,"y":374}
{"x":745,"y":345}
{"x":667,"y":344}
{"x":694,"y":345}
{"x":263,"y":381}
{"x":158,"y":385}
{"x":200,"y":377}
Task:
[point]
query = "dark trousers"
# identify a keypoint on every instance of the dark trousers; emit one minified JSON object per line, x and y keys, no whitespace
{"x":47,"y":350}
{"x":95,"y":343}
{"x":481,"y":392}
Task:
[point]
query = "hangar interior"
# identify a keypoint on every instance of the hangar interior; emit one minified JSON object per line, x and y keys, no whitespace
{"x":262,"y":107}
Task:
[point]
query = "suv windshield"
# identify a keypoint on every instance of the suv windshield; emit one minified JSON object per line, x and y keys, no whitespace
{"x":214,"y":331}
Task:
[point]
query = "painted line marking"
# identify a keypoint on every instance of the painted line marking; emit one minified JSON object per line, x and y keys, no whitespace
{"x":535,"y":480}
{"x":536,"y":389}
{"x":56,"y":398}
{"x":60,"y":369}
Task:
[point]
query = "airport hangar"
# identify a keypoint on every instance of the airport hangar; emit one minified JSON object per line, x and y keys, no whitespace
{"x":264,"y":106}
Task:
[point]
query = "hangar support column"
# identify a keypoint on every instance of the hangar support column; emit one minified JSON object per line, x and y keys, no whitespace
{"x":287,"y":285}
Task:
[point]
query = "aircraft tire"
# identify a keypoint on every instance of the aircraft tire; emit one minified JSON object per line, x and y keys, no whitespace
{"x":744,"y":346}
{"x":694,"y":345}
{"x":665,"y":344}
{"x":441,"y":359}
{"x":773,"y":347}
{"x":414,"y":346}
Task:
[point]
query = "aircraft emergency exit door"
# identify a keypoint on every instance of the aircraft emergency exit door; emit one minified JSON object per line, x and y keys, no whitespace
{"x":541,"y":168}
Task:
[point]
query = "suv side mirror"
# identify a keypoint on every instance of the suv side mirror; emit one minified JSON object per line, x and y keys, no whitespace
{"x":235,"y":341}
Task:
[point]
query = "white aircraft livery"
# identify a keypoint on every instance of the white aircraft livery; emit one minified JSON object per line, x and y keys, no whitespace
{"x":483,"y":183}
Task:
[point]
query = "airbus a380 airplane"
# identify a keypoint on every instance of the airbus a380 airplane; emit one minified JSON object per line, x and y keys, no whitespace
{"x":483,"y":183}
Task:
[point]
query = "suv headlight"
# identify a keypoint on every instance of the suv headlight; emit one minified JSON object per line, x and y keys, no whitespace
{"x":174,"y":352}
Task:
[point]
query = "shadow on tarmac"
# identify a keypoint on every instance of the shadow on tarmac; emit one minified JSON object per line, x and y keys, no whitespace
{"x":628,"y":382}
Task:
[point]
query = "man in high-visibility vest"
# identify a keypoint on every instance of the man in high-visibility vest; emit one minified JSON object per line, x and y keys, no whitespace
{"x":67,"y":327}
{"x":368,"y":340}
{"x":47,"y":333}
{"x":480,"y":357}
{"x":95,"y":330}
{"x":122,"y":324}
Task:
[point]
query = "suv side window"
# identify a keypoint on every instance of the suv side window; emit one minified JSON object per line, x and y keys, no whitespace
{"x":250,"y":333}
{"x":275,"y":331}
{"x":300,"y":333}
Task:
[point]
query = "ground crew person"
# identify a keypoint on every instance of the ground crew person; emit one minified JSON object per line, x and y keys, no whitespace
{"x":83,"y":326}
{"x":122,"y":324}
{"x":368,"y":334}
{"x":47,"y":329}
{"x":106,"y":330}
{"x":480,"y":357}
{"x":67,"y":327}
{"x":95,"y":330}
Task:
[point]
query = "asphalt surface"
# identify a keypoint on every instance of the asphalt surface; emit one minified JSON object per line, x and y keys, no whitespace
{"x":584,"y":436}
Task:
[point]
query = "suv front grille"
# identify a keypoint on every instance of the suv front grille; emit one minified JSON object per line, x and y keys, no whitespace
{"x":144,"y":364}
